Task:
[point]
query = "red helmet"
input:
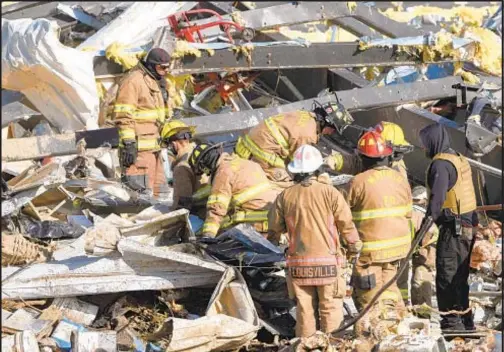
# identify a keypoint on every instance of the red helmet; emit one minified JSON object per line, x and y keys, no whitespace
{"x":372,"y":145}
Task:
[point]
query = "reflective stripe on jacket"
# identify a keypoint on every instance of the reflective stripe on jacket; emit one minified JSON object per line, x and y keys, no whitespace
{"x":239,"y":186}
{"x":317,"y":219}
{"x":381,"y":205}
{"x":139,"y":109}
{"x":463,"y":190}
{"x":274,"y":140}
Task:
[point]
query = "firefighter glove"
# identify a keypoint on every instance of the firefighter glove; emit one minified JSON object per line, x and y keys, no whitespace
{"x":354,"y":248}
{"x":128,"y":153}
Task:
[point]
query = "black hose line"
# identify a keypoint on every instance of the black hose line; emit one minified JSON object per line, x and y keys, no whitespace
{"x":418,"y":238}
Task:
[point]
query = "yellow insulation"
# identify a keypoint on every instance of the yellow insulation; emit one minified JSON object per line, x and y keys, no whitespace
{"x":468,"y":77}
{"x":182,"y":49}
{"x":488,"y":55}
{"x":116,"y":52}
{"x":178,"y":87}
{"x":351,"y":5}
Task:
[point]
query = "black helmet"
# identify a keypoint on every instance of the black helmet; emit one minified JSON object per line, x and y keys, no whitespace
{"x":158,"y":56}
{"x":203,"y":159}
{"x":332,"y":114}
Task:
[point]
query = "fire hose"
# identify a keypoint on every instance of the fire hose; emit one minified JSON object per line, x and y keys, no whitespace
{"x":426,"y":225}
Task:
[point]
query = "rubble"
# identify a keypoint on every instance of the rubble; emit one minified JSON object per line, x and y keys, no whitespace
{"x":88,"y":263}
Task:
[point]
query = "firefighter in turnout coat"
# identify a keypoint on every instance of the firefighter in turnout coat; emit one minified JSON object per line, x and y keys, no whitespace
{"x":390,"y":132}
{"x":240,"y":193}
{"x":318,"y":222}
{"x":189,"y":190}
{"x":139,"y":111}
{"x":381,"y":204}
{"x":274,"y":140}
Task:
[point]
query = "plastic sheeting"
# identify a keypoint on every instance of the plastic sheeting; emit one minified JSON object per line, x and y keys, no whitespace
{"x":58,"y":80}
{"x":136,"y":25}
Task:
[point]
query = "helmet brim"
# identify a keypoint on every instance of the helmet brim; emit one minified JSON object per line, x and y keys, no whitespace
{"x":296,"y":170}
{"x":388,"y":151}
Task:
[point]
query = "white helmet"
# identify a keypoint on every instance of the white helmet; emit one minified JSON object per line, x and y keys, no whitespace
{"x":307,"y":159}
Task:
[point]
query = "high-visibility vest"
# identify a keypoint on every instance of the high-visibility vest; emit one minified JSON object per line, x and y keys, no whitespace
{"x":462,"y":193}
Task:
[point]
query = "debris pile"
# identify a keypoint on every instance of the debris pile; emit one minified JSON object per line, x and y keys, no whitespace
{"x":88,"y":262}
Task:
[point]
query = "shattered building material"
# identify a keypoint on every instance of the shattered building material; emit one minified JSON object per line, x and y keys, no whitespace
{"x":76,"y":310}
{"x":64,"y":144}
{"x":16,"y":250}
{"x":135,"y":26}
{"x":90,"y":341}
{"x":142,"y":267}
{"x":134,"y":243}
{"x":27,"y":51}
{"x":13,"y":109}
{"x":20,"y":341}
{"x":27,"y":319}
{"x":295,"y":13}
{"x":210,"y":333}
{"x":414,"y":343}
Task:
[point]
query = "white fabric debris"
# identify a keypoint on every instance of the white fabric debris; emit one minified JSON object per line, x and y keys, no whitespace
{"x":57,"y":79}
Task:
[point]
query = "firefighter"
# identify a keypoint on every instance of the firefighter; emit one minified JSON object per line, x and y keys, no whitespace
{"x":240,"y":193}
{"x":274,"y":140}
{"x":424,"y":260}
{"x":139,"y":110}
{"x":452,"y":204}
{"x":189,"y":190}
{"x":315,"y":215}
{"x":390,"y":132}
{"x":380,"y":200}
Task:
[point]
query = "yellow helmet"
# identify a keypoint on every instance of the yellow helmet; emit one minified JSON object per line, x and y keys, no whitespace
{"x":173,"y":127}
{"x":392,"y":133}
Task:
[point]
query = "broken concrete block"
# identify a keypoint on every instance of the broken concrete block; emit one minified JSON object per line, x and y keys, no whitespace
{"x":91,"y":341}
{"x":412,"y":343}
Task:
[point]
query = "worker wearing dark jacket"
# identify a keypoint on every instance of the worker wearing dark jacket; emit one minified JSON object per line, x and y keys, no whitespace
{"x":452,"y":204}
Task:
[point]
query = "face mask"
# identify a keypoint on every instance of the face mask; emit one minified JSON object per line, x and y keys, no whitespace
{"x":171,"y":149}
